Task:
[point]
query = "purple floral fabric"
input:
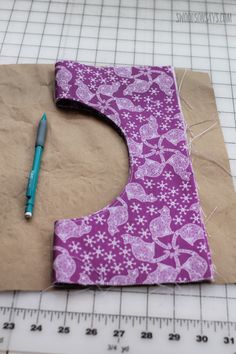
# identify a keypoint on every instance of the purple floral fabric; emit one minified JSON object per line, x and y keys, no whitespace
{"x":153,"y":232}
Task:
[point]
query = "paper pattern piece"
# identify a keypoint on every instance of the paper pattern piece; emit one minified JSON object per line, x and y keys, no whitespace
{"x":153,"y":232}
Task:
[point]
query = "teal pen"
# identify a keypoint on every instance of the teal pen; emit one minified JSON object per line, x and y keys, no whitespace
{"x":34,"y":174}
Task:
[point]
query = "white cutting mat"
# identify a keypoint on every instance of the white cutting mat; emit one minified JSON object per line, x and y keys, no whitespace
{"x":124,"y":32}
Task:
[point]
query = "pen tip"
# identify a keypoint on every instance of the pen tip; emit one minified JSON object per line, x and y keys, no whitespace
{"x":28,"y":215}
{"x":44,"y":117}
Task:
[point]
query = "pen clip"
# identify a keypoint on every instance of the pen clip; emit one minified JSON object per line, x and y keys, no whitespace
{"x":29,"y":189}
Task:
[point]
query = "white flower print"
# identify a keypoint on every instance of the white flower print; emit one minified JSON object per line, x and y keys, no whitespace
{"x":98,"y":251}
{"x":141,"y":220}
{"x":168,"y":100}
{"x":168,"y":175}
{"x":159,"y":104}
{"x":99,"y":219}
{"x":129,"y":263}
{"x":109,"y":257}
{"x":124,"y":81}
{"x":136,"y":98}
{"x":135,"y":135}
{"x":172,"y":203}
{"x":144,"y":233}
{"x":153,"y":91}
{"x":149,"y":108}
{"x":168,"y":118}
{"x":70,"y":64}
{"x":101,"y":236}
{"x":117,"y":268}
{"x":87,"y":268}
{"x":112,"y":79}
{"x":183,"y":147}
{"x":162,"y":185}
{"x":163,"y":196}
{"x":114,"y":243}
{"x":154,"y":111}
{"x":158,"y":114}
{"x":89,"y":240}
{"x":152,"y":210}
{"x":125,"y":252}
{"x":149,"y":183}
{"x":169,"y":109}
{"x":179,"y":125}
{"x":135,"y":207}
{"x":86,"y":256}
{"x":147,"y":99}
{"x":202,"y":247}
{"x":74,"y":247}
{"x":109,"y":71}
{"x":103,"y":80}
{"x":131,"y":125}
{"x":173,"y":191}
{"x":185,"y":186}
{"x":178,"y":220}
{"x":79,"y":74}
{"x":88,"y":69}
{"x":144,"y":268}
{"x":186,"y":198}
{"x":97,"y":74}
{"x":182,"y":209}
{"x":140,"y":118}
{"x":92,"y":87}
{"x":164,"y":126}
{"x":102,"y":269}
{"x":125,"y":115}
{"x":195,"y":218}
{"x":64,"y":95}
{"x":129,"y":228}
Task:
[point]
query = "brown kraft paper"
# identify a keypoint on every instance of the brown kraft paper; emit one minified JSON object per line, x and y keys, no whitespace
{"x":85,"y":166}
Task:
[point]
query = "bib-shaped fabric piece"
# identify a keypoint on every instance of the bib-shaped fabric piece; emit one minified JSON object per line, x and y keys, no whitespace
{"x":153,"y":232}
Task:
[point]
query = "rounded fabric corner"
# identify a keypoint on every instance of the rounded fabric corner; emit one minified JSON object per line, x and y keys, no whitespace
{"x":153,"y":232}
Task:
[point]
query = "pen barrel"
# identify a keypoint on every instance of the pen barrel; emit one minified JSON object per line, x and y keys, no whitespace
{"x":33,"y":178}
{"x":41,"y":134}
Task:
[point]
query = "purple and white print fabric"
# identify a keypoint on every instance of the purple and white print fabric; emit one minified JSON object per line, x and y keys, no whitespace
{"x":153,"y":231}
